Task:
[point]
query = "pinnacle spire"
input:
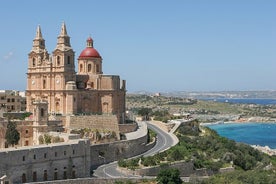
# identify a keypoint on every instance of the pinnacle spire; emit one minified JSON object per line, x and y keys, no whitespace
{"x":63,"y":38}
{"x":38,"y":42}
{"x":63,"y":31}
{"x":38,"y":33}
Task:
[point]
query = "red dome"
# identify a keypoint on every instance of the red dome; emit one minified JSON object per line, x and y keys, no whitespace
{"x":89,"y":52}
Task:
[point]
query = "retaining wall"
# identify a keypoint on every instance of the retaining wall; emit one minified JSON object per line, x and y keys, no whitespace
{"x":126,"y":128}
{"x":95,"y":181}
{"x":105,"y":153}
{"x":186,"y":169}
{"x":100,"y":122}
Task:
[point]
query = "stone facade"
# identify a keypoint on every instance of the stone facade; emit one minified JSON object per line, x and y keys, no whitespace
{"x":12,"y":101}
{"x":96,"y":181}
{"x":47,"y":162}
{"x":53,"y":78}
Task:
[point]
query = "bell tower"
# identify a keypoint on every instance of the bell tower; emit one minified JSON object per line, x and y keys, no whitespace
{"x":63,"y":59}
{"x":40,"y":123}
{"x":38,"y":53}
{"x":38,"y":66}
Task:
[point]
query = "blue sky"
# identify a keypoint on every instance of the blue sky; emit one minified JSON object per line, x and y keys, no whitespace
{"x":181,"y":45}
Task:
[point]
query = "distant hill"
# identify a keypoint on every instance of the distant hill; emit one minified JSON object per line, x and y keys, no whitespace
{"x":216,"y":94}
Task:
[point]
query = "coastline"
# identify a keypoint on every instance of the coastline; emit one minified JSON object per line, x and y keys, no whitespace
{"x":235,"y":122}
{"x":265,"y":149}
{"x":225,"y":122}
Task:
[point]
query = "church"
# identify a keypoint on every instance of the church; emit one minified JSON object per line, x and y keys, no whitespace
{"x":53,"y":79}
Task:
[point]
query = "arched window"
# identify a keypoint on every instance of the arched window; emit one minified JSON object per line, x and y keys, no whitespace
{"x":81,"y":67}
{"x":68,"y":60}
{"x":33,"y":62}
{"x":105,"y":107}
{"x":44,"y":84}
{"x":45,"y":175}
{"x":56,"y":174}
{"x":89,"y":68}
{"x":58,"y":60}
{"x":24,"y":180}
{"x":97,"y":68}
{"x":65,"y":173}
{"x":34,"y":176}
{"x":57,"y":107}
{"x":73,"y":172}
{"x":41,"y":112}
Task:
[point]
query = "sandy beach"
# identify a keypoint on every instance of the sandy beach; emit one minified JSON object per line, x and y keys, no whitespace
{"x":265,"y":149}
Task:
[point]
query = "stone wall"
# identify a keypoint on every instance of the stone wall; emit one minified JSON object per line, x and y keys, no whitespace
{"x":62,"y":160}
{"x":105,"y":153}
{"x":126,"y":128}
{"x":96,"y":181}
{"x":186,"y":169}
{"x":101,"y":122}
{"x":74,"y":159}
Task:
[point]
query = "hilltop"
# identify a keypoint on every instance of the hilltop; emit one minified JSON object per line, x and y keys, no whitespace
{"x":269,"y":94}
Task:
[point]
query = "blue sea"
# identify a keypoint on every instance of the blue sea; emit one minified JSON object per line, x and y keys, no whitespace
{"x":263,"y":134}
{"x":244,"y":100}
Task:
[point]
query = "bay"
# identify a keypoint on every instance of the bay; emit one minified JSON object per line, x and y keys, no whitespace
{"x":258,"y":101}
{"x":263,"y":134}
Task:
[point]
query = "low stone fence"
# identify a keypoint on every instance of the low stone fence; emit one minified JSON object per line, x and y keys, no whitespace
{"x":126,"y":128}
{"x":186,"y":169}
{"x":164,"y":126}
{"x":94,"y":181}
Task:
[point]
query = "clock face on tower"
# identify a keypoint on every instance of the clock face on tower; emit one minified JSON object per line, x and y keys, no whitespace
{"x":33,"y":82}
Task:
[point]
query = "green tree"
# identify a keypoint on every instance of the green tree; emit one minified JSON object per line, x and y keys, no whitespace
{"x":47,"y":138}
{"x":145,"y":112}
{"x":41,"y":139}
{"x":12,"y":135}
{"x":169,"y":176}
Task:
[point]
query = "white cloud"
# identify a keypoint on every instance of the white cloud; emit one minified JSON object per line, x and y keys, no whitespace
{"x":8,"y":56}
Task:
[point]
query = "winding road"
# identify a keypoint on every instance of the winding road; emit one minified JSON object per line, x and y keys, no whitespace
{"x":164,"y":141}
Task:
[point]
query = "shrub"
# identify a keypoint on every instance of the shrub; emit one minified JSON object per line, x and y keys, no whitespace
{"x":169,"y":176}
